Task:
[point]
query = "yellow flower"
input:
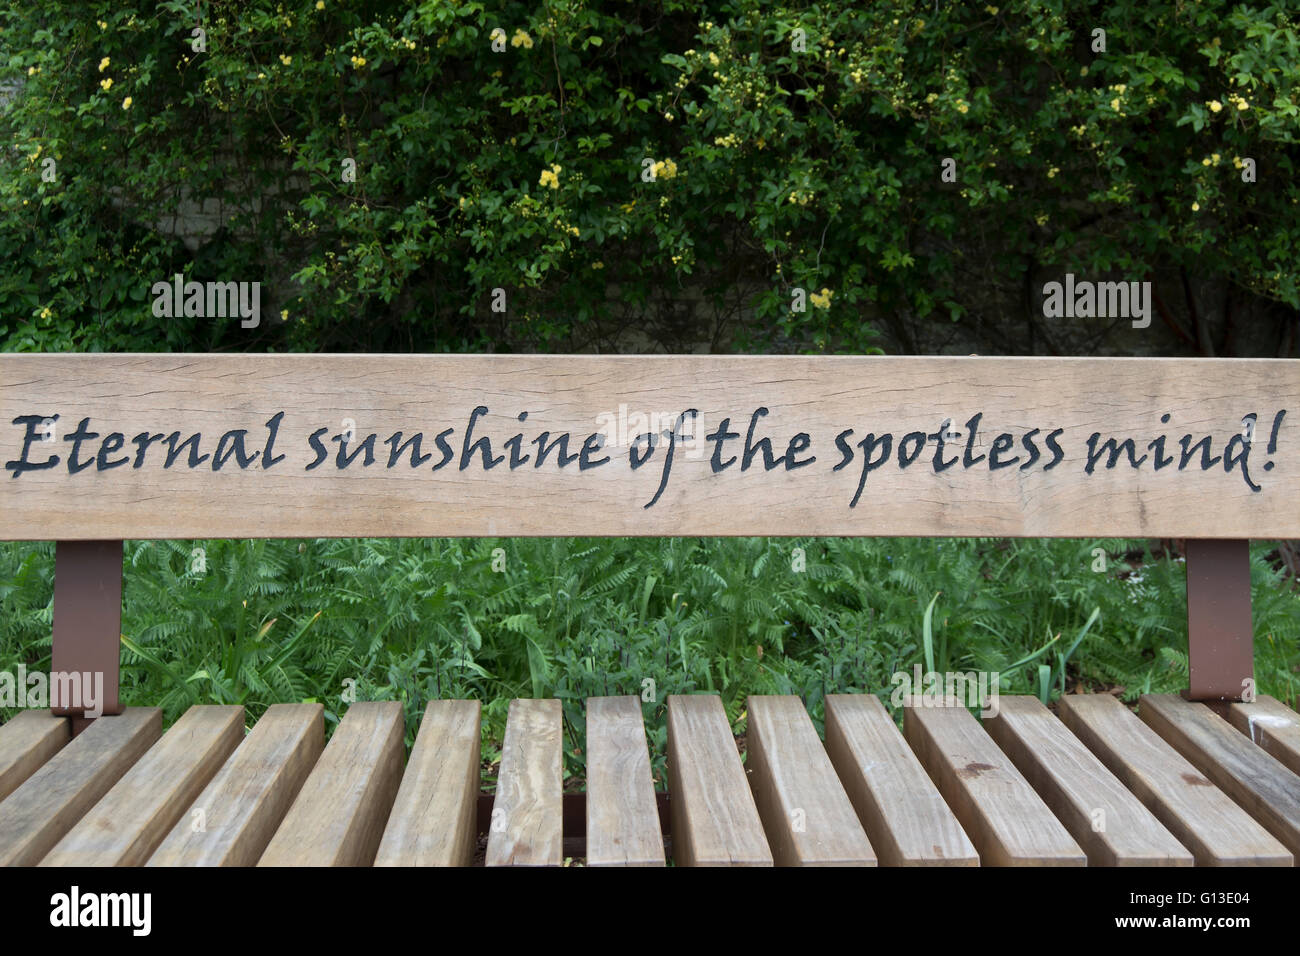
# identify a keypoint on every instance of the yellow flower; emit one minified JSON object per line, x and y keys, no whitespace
{"x":598,"y":265}
{"x":1205,"y":161}
{"x":1196,"y":207}
{"x":676,"y":259}
{"x":549,"y":178}
{"x":1236,"y":161}
{"x":1242,"y":104}
{"x":573,"y":231}
{"x":1041,"y":219}
{"x":286,"y":60}
{"x":1214,"y":106}
{"x":126,"y":103}
{"x":1114,"y":104}
{"x":102,"y":24}
{"x":713,"y":59}
{"x":1119,"y":88}
{"x":45,"y":312}
{"x":991,"y":11}
{"x":105,"y":83}
{"x":521,"y":38}
{"x":358,"y":62}
{"x":821,"y":300}
{"x":1083,"y":71}
{"x":320,"y":4}
{"x":103,"y":64}
{"x":1051,"y":173}
{"x":284,"y":314}
{"x":33,"y":70}
{"x":962,"y":107}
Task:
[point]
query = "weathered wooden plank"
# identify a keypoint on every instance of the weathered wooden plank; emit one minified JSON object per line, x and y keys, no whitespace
{"x":901,"y":810}
{"x":528,"y":813}
{"x":237,"y":813}
{"x":26,"y":742}
{"x":714,"y":819}
{"x":339,"y":815}
{"x":622,"y":816}
{"x":36,"y":815}
{"x":433,"y":818}
{"x":998,"y":809}
{"x":805,"y":811}
{"x":824,"y":417}
{"x":1264,"y":788}
{"x":1272,"y":725}
{"x":1108,"y":821}
{"x":126,"y":826}
{"x":1197,"y":813}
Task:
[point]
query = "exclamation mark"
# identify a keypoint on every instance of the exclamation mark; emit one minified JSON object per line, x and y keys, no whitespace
{"x":1272,"y":441}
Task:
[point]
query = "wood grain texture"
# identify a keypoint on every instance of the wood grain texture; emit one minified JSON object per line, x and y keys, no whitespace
{"x":130,"y":395}
{"x":1195,"y":811}
{"x":899,"y":806}
{"x":126,"y":826}
{"x":433,"y":818}
{"x":1108,"y":821}
{"x":1269,"y":723}
{"x":806,"y":813}
{"x":1008,"y":823}
{"x":26,"y":742}
{"x":714,"y":819}
{"x":245,"y":802}
{"x":1261,"y":785}
{"x":622,"y":816}
{"x":37,"y":815}
{"x":527,"y":827}
{"x":340,"y":813}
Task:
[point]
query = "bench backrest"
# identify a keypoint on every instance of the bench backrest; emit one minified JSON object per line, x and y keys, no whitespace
{"x":105,"y":447}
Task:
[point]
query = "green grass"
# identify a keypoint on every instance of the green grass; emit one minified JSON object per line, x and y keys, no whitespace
{"x":417,"y":619}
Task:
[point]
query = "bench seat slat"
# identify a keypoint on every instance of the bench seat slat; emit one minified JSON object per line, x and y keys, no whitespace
{"x":26,"y":742}
{"x":1196,"y":812}
{"x":1005,"y":819}
{"x":1076,"y":785}
{"x":622,"y":816}
{"x":40,"y":812}
{"x":527,"y":827}
{"x":1268,"y":791}
{"x":244,"y":803}
{"x":1271,"y":724}
{"x":126,"y":826}
{"x":714,"y":819}
{"x":901,"y":810}
{"x":807,"y":815}
{"x":433,"y":822}
{"x":339,"y":816}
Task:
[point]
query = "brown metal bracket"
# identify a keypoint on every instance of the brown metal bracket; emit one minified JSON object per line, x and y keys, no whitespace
{"x":1220,"y":638}
{"x":85,"y":658}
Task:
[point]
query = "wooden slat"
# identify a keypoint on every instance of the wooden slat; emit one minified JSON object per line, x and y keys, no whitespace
{"x":901,"y":810}
{"x":433,"y":819}
{"x":26,"y":742}
{"x":1197,"y":813}
{"x":245,"y":802}
{"x":340,"y":813}
{"x":829,"y":416}
{"x":622,"y":816}
{"x":36,"y":816}
{"x":1264,"y":788}
{"x":998,"y":809}
{"x":805,"y":811}
{"x":1272,"y":725}
{"x":527,"y":814}
{"x":126,"y":826}
{"x":1108,"y":821}
{"x":714,"y":819}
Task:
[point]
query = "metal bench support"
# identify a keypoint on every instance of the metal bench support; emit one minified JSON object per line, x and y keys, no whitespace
{"x":87,"y":623}
{"x":1220,"y":639}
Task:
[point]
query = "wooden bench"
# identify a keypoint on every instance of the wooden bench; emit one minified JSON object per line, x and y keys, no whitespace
{"x":100,"y":448}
